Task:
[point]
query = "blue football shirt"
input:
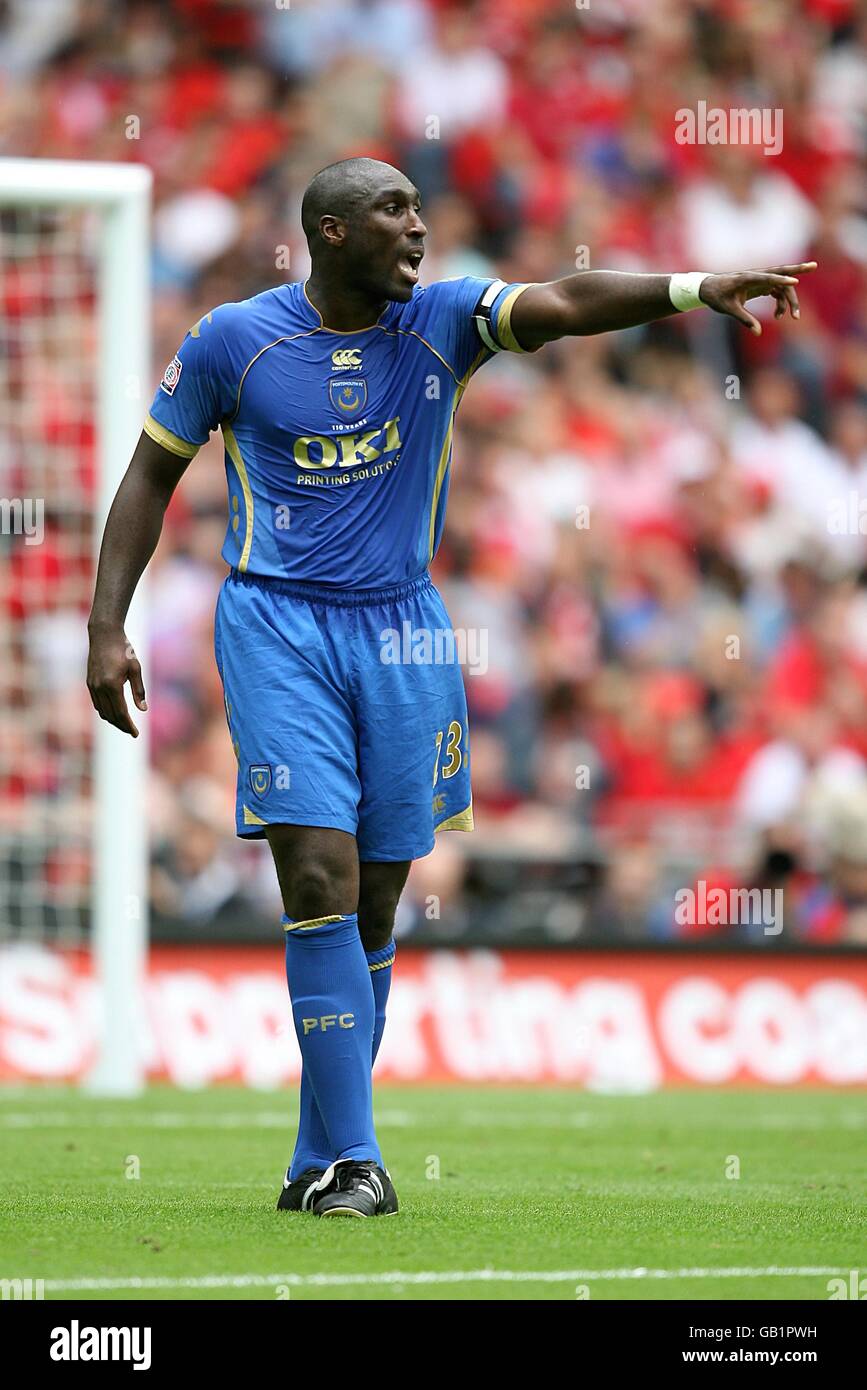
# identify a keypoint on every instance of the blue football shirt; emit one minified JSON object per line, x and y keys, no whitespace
{"x":338,"y":446}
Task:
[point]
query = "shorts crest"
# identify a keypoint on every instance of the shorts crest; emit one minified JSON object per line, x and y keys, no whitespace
{"x":260,"y":778}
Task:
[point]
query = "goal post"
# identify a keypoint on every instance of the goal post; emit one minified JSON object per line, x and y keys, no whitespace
{"x":115,"y":199}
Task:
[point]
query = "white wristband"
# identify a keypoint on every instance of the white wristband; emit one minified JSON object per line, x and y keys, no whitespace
{"x":683,"y":290}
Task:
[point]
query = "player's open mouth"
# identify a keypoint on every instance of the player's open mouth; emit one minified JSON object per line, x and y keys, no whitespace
{"x":408,"y":265}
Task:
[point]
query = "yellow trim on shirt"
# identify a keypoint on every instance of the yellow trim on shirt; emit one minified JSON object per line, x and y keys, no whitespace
{"x":446,"y":449}
{"x":411,"y":333}
{"x":288,"y":338}
{"x":175,"y":445}
{"x":235,"y":455}
{"x":250,"y":818}
{"x":197,"y":326}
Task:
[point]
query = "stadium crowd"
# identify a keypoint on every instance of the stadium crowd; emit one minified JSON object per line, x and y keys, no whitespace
{"x":662,"y":532}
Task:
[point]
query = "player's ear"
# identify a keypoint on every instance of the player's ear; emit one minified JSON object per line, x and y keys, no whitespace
{"x":332,"y":229}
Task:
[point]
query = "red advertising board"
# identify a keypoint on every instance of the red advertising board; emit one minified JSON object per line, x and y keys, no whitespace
{"x":605,"y":1021}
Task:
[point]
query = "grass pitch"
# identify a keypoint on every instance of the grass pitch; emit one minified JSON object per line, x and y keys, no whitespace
{"x":505,"y":1194}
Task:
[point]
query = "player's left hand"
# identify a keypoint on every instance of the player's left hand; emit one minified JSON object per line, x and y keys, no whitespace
{"x":728,"y":293}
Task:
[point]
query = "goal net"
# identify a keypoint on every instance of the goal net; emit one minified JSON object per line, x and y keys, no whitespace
{"x":74,"y":362}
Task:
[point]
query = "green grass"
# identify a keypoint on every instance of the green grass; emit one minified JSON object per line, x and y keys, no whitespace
{"x":529,"y":1181}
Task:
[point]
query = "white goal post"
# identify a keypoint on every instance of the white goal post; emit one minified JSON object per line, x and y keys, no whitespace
{"x":116,"y":198}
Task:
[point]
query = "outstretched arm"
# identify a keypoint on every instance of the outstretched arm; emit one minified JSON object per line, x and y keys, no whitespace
{"x":597,"y":301}
{"x":131,"y":534}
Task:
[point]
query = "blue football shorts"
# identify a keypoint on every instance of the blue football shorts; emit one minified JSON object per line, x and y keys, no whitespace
{"x":346,"y":709}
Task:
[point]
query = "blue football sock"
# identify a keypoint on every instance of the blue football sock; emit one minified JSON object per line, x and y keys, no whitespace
{"x":380,"y":963}
{"x":332,"y":1005}
{"x":312,"y":1149}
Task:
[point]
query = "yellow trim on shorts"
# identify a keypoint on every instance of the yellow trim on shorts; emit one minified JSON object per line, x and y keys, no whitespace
{"x":462,"y":821}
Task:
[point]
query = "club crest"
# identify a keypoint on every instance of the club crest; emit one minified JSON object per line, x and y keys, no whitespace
{"x":348,"y":395}
{"x":260,"y":778}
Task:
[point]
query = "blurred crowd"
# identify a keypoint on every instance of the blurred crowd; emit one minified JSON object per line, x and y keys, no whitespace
{"x":663,"y":532}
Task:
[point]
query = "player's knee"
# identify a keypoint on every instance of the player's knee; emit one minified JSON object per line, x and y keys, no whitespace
{"x":314,"y":888}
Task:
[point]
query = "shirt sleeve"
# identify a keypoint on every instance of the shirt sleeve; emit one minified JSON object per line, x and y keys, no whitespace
{"x":197,"y":390}
{"x":465,"y":321}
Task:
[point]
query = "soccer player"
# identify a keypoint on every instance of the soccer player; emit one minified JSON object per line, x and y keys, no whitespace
{"x":336,"y":400}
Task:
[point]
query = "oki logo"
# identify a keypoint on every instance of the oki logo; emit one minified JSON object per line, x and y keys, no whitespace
{"x":328,"y":1021}
{"x":320,"y":451}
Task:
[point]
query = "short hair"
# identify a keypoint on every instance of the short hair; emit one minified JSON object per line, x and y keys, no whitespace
{"x":339,"y":189}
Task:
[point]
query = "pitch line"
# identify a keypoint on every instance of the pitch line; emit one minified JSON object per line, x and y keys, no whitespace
{"x":173,"y":1119}
{"x":397,"y":1277}
{"x":387,"y":1118}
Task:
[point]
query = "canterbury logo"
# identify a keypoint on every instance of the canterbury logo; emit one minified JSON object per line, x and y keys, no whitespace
{"x":345,"y":359}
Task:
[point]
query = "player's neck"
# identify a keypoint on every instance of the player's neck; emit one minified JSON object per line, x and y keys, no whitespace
{"x":342,"y":309}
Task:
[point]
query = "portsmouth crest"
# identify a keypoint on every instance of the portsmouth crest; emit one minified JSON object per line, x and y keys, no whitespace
{"x":348,"y":395}
{"x":260,"y":778}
